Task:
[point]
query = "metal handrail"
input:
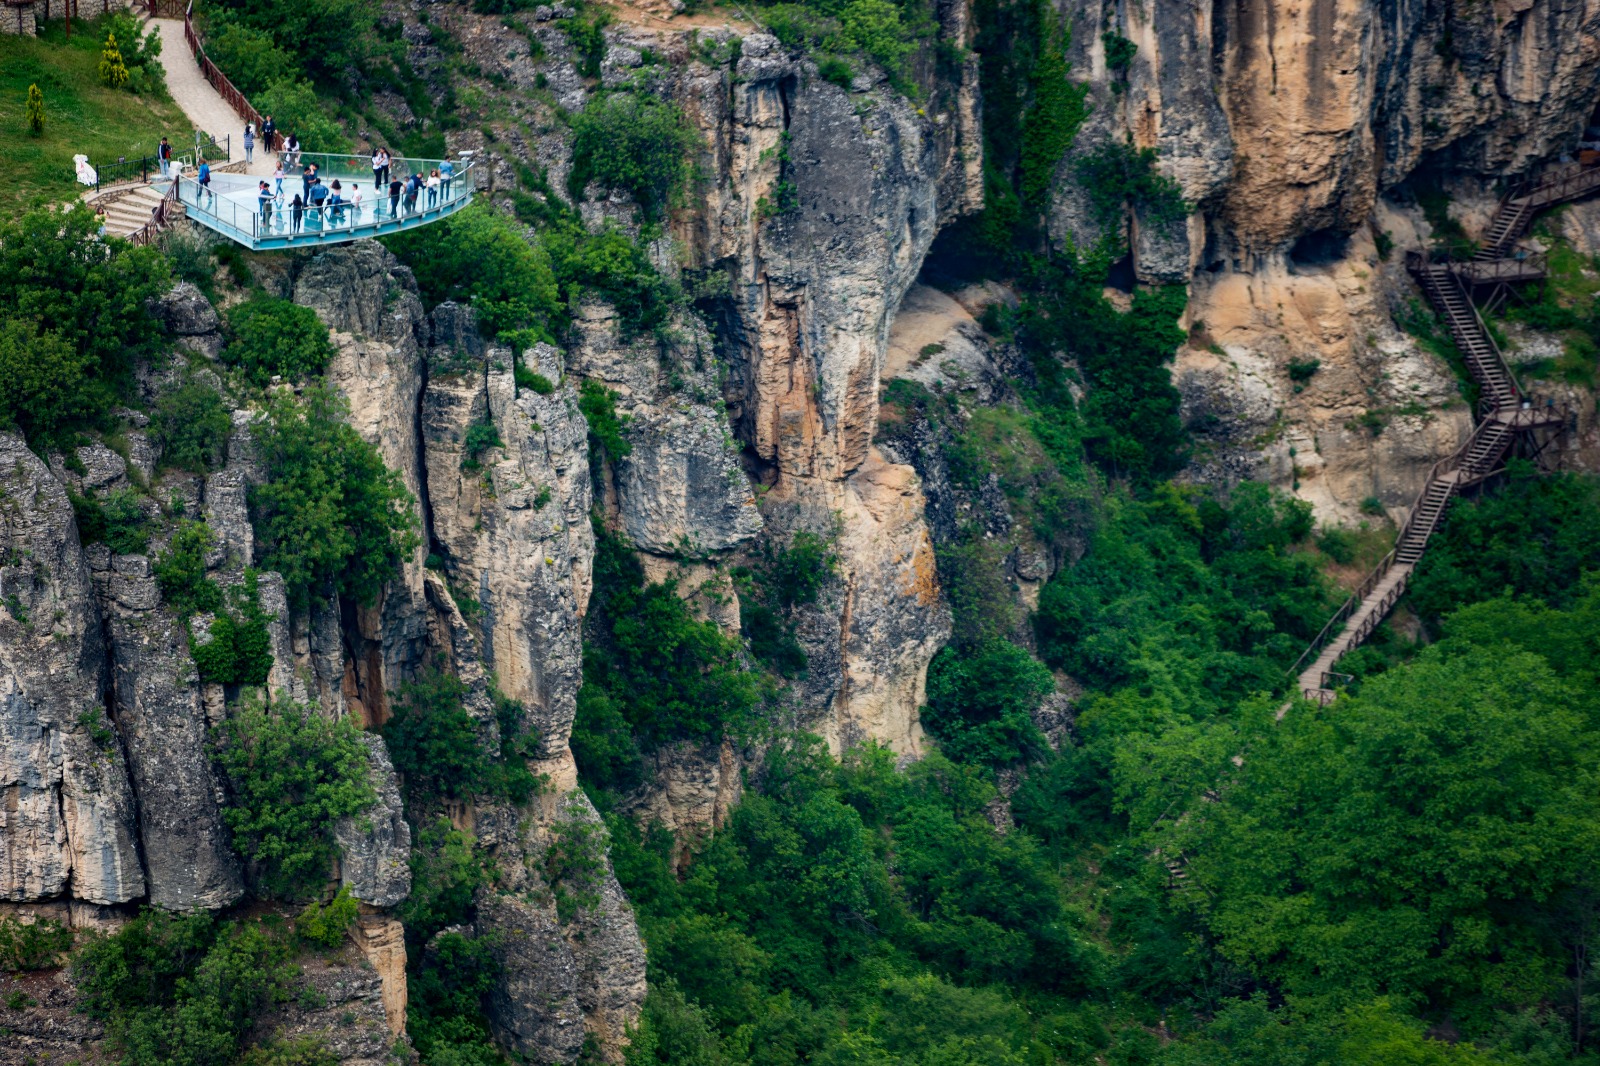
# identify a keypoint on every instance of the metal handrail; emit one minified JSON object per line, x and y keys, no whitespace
{"x":374,"y":214}
{"x":1447,"y":465}
{"x":159,"y":217}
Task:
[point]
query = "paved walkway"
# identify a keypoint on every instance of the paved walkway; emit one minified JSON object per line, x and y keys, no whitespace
{"x":203,"y":104}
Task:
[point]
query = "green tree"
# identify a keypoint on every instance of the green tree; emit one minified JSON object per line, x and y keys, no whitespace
{"x":191,"y":424}
{"x":672,"y":675}
{"x":112,"y":69}
{"x":43,"y":384}
{"x":480,"y":257}
{"x":73,"y":289}
{"x":981,"y":702}
{"x":180,"y":571}
{"x":636,"y":143}
{"x":270,"y":337}
{"x":296,"y":108}
{"x":252,"y":61}
{"x":35,"y":111}
{"x":1451,"y":801}
{"x":293,"y":775}
{"x":331,"y":515}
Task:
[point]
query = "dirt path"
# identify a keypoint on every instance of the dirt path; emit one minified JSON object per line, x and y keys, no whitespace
{"x":203,"y":104}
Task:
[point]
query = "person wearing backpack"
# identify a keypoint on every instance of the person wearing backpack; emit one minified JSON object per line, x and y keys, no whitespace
{"x":204,"y":178}
{"x":164,"y":156}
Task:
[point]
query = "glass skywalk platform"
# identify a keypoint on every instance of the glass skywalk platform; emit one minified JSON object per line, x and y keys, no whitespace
{"x":232,"y":205}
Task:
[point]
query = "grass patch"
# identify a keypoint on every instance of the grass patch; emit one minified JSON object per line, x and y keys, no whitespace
{"x":82,"y":116}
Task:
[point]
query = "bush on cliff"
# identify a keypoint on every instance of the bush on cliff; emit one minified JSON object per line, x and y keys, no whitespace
{"x":331,"y":516}
{"x":293,"y":774}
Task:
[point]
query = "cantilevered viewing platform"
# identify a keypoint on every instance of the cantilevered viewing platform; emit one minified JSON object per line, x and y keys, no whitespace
{"x":232,"y":205}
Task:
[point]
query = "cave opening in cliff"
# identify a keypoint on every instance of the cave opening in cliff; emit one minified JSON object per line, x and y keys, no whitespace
{"x":1319,"y":248}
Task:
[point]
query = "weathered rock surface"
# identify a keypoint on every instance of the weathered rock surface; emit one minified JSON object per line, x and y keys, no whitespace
{"x":375,"y":845}
{"x":370,"y":303}
{"x":516,"y":535}
{"x":68,"y":817}
{"x":187,"y":848}
{"x":681,"y":489}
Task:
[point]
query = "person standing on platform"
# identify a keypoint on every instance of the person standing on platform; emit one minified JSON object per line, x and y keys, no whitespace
{"x":264,"y":197}
{"x":394,"y":197}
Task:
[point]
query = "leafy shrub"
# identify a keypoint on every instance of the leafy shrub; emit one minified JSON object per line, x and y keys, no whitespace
{"x":41,"y":381}
{"x":980,"y":703}
{"x":1535,"y":535}
{"x":253,"y":62}
{"x":32,"y":945}
{"x":783,"y":579}
{"x":271,"y":337}
{"x":1302,"y":370}
{"x":293,"y":774}
{"x":599,"y":407}
{"x":587,"y":34}
{"x":119,"y":521}
{"x":239,"y":651}
{"x":534,"y":381}
{"x":612,"y":265}
{"x":331,"y":515}
{"x":182,"y":990}
{"x":636,"y":143}
{"x":180,"y":571}
{"x":479,"y":438}
{"x":1338,"y":545}
{"x":82,"y":303}
{"x":1117,"y":174}
{"x":1186,"y":597}
{"x":836,"y":70}
{"x":296,"y":108}
{"x":671,"y":675}
{"x":325,"y":925}
{"x":445,"y":874}
{"x":1119,"y":50}
{"x":479,"y":257}
{"x":437,"y":748}
{"x":191,"y":425}
{"x":448,"y":991}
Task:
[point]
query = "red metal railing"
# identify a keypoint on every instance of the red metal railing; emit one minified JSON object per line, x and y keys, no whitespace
{"x":219,"y":81}
{"x":160,"y":215}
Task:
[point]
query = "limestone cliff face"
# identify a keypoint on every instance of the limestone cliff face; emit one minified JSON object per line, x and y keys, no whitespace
{"x":69,"y":818}
{"x":1281,"y":121}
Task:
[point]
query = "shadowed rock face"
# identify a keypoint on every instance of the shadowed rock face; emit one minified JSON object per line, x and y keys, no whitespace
{"x":68,"y":821}
{"x":1279,"y":121}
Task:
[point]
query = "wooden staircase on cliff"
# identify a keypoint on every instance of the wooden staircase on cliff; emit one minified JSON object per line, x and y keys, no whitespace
{"x":1504,"y":412}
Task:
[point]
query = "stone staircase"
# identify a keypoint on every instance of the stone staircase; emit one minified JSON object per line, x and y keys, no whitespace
{"x":128,"y":209}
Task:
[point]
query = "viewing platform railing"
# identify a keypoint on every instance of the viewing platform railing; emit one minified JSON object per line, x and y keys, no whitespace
{"x":232,"y":205}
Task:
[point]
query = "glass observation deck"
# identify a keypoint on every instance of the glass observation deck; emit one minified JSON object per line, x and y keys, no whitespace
{"x":232,"y":205}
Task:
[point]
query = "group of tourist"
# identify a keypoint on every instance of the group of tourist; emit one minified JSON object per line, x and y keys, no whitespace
{"x":320,"y":204}
{"x":329,"y":203}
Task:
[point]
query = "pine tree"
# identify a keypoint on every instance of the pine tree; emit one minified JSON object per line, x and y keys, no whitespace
{"x":35,"y":110}
{"x":112,"y":70}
